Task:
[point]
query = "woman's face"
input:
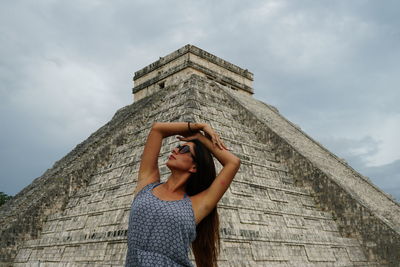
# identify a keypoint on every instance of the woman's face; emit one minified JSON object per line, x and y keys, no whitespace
{"x":184,"y":161}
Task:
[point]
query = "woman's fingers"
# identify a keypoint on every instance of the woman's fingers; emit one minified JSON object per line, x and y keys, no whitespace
{"x":220,"y":143}
{"x":215,"y":139}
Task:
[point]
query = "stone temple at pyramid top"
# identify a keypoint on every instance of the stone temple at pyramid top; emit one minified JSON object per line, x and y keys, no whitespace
{"x":182,"y":63}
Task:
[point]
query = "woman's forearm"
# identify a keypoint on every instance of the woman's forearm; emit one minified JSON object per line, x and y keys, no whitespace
{"x":222,"y":155}
{"x":176,"y":128}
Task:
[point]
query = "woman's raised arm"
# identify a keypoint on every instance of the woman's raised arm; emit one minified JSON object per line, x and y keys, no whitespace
{"x":205,"y":201}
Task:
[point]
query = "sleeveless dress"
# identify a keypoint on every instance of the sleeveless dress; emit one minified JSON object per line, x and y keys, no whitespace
{"x":159,"y":232}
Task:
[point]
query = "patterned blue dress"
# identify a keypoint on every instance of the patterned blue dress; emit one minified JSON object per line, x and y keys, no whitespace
{"x":160,"y":232}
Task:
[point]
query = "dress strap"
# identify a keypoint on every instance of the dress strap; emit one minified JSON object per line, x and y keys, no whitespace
{"x":152,"y":185}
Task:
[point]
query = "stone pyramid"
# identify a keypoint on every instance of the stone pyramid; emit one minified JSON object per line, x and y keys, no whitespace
{"x":292,"y":203}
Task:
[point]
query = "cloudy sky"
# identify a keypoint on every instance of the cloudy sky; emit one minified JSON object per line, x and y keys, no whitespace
{"x":331,"y":67}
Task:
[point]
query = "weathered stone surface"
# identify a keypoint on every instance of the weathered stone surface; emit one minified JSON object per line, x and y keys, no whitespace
{"x":292,"y":203}
{"x":187,"y":61}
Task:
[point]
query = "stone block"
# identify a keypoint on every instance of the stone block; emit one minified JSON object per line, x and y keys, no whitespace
{"x":232,"y":251}
{"x":329,"y":225}
{"x":341,"y":255}
{"x":320,"y":253}
{"x":23,"y":255}
{"x":36,"y":255}
{"x":277,"y":195}
{"x":77,"y":222}
{"x":111,"y":217}
{"x":356,"y":254}
{"x":50,"y":227}
{"x":296,"y":254}
{"x":70,"y":252}
{"x":269,"y":251}
{"x":115,"y":253}
{"x":313,"y":224}
{"x":241,"y":189}
{"x":254,"y":217}
{"x":53,"y":253}
{"x":294,"y":221}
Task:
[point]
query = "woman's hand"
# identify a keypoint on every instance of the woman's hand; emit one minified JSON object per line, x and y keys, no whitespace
{"x":210,"y":134}
{"x":214,"y":137}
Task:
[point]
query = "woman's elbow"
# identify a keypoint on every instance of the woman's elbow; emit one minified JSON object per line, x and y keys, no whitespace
{"x":236,"y":161}
{"x":236,"y":164}
{"x":156,"y":127}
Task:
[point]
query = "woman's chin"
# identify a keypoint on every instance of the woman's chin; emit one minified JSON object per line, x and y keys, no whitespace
{"x":170,"y":164}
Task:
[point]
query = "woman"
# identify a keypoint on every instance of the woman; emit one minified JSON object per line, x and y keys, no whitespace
{"x":166,"y":218}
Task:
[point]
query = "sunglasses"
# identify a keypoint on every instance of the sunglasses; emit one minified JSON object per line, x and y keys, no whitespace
{"x":184,"y":149}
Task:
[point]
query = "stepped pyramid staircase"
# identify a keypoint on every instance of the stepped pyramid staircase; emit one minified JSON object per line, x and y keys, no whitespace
{"x":292,"y":203}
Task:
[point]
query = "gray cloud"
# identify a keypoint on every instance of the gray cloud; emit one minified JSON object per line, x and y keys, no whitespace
{"x":330,"y":67}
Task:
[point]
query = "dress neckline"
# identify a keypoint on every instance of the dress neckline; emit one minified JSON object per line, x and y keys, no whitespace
{"x":151,"y":193}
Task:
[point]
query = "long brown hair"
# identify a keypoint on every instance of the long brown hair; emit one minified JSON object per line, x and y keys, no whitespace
{"x":206,"y":246}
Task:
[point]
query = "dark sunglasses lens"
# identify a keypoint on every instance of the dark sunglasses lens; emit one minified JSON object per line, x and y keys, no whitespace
{"x":184,"y":149}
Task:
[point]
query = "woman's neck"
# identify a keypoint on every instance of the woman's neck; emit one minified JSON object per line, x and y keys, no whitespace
{"x":176,"y":182}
